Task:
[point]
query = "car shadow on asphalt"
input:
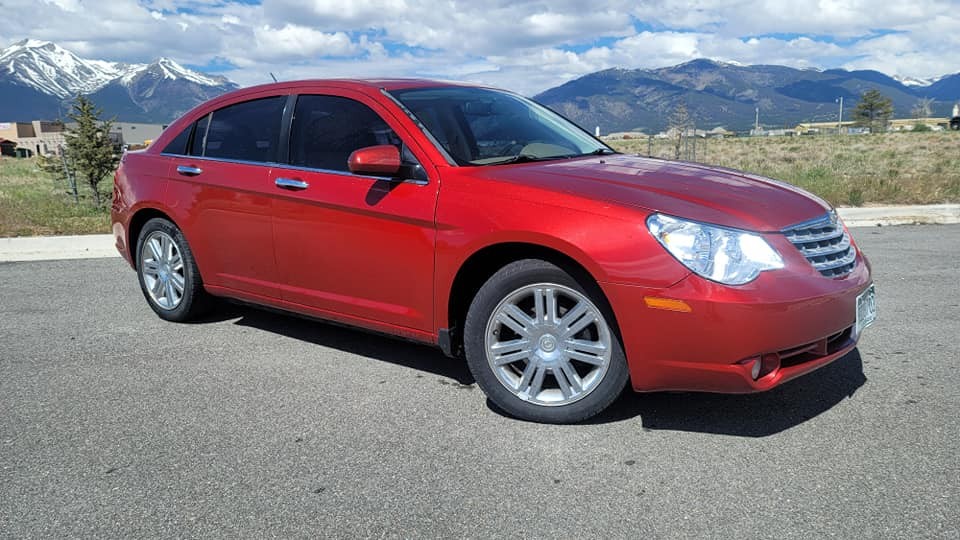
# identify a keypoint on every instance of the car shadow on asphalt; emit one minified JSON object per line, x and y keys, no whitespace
{"x":371,"y":345}
{"x":746,"y":415}
{"x":743,"y":415}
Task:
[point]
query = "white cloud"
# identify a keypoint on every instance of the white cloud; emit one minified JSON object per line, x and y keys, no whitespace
{"x":523,"y":45}
{"x":293,"y":42}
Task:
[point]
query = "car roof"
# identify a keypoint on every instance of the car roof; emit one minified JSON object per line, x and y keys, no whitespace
{"x":366,"y":84}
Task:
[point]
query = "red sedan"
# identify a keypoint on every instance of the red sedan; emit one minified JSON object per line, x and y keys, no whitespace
{"x":481,"y":222}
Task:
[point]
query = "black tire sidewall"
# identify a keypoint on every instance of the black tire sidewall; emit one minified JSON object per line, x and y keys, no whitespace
{"x":191,"y":302}
{"x":508,"y":279}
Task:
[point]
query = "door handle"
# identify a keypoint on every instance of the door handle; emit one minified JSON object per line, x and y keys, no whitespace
{"x":188,"y":170}
{"x":291,"y":183}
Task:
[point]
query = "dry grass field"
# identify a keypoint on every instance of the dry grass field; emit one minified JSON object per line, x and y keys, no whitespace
{"x":849,"y":170}
{"x":32,"y":203}
{"x":895,"y":168}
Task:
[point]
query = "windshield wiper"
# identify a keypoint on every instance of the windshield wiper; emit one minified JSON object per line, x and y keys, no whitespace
{"x":600,"y":152}
{"x":523,"y":158}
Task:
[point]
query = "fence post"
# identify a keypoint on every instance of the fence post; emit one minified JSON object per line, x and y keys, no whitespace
{"x":70,"y":175}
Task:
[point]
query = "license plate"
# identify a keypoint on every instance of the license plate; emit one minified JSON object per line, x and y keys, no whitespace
{"x":866,"y":310}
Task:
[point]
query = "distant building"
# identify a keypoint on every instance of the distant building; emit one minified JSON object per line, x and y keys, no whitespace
{"x":128,"y":133}
{"x":907,"y":124}
{"x":34,"y":138}
{"x":131,"y":133}
{"x":41,"y":137}
{"x":624,"y":135}
{"x":720,"y":132}
{"x":813,"y":128}
{"x":897,"y":124}
{"x":8,"y":148}
{"x":779,"y":132}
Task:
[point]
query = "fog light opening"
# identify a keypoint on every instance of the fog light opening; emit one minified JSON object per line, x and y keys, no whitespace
{"x":769,"y":363}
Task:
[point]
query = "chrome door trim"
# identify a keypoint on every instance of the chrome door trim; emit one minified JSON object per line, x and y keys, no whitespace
{"x":291,"y":183}
{"x":189,"y":170}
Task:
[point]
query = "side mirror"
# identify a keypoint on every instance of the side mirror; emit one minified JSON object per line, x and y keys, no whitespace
{"x":380,"y":160}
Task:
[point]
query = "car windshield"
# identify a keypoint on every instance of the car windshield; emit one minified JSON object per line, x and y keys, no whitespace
{"x":481,"y":126}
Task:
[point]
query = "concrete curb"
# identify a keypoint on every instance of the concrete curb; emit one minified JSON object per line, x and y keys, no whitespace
{"x":44,"y":248}
{"x":901,"y":215}
{"x":95,"y":246}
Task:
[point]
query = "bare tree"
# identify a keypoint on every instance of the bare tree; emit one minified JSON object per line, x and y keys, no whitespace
{"x":680,"y":123}
{"x":923,"y":108}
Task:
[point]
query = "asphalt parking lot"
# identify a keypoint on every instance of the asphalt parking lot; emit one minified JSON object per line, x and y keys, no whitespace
{"x":252,"y":424}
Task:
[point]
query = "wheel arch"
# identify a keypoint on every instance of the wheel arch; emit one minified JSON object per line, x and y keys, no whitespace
{"x":483,"y":263}
{"x":137,"y":221}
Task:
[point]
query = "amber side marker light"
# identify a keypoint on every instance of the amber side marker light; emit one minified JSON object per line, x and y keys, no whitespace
{"x":668,"y":304}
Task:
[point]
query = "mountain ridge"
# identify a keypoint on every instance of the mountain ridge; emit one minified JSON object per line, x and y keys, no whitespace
{"x":724,"y":94}
{"x":38,"y":79}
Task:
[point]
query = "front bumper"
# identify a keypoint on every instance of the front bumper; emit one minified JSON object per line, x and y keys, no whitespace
{"x":794,"y":322}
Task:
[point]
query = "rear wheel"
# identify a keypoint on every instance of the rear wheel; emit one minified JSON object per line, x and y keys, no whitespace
{"x":168,"y":273}
{"x":542,"y":345}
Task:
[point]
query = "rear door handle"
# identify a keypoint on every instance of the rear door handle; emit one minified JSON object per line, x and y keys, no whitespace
{"x":291,"y":183}
{"x":188,"y":170}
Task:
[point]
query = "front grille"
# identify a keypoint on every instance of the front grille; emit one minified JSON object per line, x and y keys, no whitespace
{"x":825,"y":243}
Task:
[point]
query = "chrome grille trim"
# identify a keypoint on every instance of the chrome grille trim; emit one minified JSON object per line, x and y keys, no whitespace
{"x":813,"y":237}
{"x":825,"y":244}
{"x":826,"y":250}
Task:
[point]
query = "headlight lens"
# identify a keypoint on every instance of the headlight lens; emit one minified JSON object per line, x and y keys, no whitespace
{"x":728,"y":256}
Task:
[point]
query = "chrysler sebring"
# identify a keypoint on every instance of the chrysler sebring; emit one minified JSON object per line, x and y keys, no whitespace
{"x":480,"y":222}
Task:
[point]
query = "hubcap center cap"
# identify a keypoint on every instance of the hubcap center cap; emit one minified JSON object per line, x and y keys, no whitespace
{"x":548,"y":343}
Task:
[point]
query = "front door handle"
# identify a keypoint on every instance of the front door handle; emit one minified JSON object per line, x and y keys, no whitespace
{"x":291,"y":183}
{"x":188,"y":170}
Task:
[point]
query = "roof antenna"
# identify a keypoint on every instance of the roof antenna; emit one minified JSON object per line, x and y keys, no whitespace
{"x":272,"y":76}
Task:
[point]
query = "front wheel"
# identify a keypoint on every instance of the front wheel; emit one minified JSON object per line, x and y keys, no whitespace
{"x":543,"y":346}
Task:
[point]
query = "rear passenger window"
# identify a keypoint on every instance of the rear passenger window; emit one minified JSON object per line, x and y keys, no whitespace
{"x":248,"y":131}
{"x":327,"y":129}
{"x":178,"y":145}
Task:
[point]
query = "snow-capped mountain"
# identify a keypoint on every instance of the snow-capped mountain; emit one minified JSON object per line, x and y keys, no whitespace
{"x":915,"y":81}
{"x":723,"y":94}
{"x":37,"y":76}
{"x":54,"y":70}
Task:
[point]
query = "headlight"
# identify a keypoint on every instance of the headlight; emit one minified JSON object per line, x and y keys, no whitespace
{"x":729,"y":256}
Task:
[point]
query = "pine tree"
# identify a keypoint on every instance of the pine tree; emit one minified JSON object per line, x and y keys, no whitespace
{"x":873,"y":111}
{"x":89,"y":147}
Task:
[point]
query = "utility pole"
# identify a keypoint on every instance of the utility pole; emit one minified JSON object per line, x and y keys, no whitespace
{"x":756,"y":129}
{"x":840,"y":117}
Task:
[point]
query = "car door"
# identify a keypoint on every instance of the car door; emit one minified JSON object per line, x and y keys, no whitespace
{"x":348,"y":244}
{"x":223,"y":182}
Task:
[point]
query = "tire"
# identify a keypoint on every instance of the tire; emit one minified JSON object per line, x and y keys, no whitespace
{"x":558,"y":369}
{"x":168,"y":274}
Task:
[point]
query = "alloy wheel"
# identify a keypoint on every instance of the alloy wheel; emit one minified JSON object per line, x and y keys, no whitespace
{"x":161,"y":265}
{"x":548,"y":344}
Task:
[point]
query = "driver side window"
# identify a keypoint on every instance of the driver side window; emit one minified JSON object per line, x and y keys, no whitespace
{"x":327,"y":129}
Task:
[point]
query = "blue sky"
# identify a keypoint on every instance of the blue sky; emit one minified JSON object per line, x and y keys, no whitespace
{"x":524,"y":46}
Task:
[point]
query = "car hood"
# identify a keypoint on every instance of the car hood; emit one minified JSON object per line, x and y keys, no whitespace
{"x":708,"y":194}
